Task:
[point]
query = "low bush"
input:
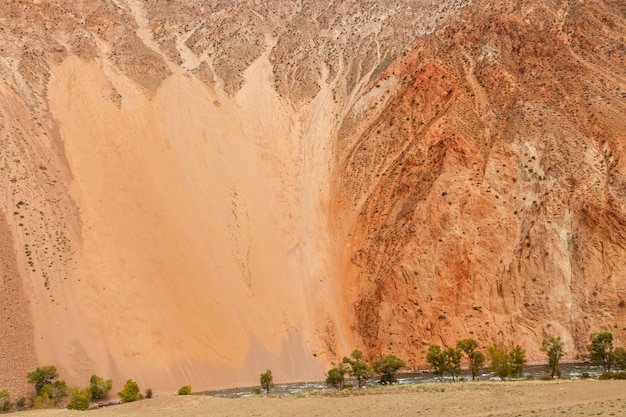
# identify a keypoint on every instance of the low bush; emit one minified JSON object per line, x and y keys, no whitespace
{"x":185,"y":390}
{"x":80,"y":399}
{"x":130,"y":392}
{"x":613,"y":375}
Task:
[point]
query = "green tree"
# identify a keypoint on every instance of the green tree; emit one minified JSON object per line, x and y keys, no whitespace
{"x":267,"y":381}
{"x":476,"y":362}
{"x":388,"y":367}
{"x":185,"y":390}
{"x":437,"y":360}
{"x":518,"y":361}
{"x":336,"y":377}
{"x":601,"y":349}
{"x":453,"y":358}
{"x":131,"y":392}
{"x":99,"y":387}
{"x":500,"y":361}
{"x":80,"y":399}
{"x":619,"y":358}
{"x":42,"y":376}
{"x":553,"y":346}
{"x":476,"y":358}
{"x":358,"y":369}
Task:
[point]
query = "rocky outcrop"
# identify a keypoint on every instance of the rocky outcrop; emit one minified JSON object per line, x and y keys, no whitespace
{"x":484,"y":195}
{"x":194,"y":191}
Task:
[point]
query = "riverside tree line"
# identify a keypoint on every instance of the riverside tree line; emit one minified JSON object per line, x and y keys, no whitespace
{"x":504,"y":363}
{"x":52,"y":392}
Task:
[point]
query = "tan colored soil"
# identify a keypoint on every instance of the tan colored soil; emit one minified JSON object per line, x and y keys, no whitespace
{"x":532,"y":398}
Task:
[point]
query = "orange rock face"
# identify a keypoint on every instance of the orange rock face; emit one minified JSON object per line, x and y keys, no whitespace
{"x":194,"y":192}
{"x":484,"y":196}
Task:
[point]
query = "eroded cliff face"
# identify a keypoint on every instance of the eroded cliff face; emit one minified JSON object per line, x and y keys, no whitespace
{"x":482,"y":187}
{"x":194,"y":192}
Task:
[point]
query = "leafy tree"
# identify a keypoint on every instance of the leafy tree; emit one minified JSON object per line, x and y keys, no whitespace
{"x":601,"y":349}
{"x":500,"y":361}
{"x":267,"y":381}
{"x":619,"y":358}
{"x":476,"y":358}
{"x":336,"y":377}
{"x":476,"y":361}
{"x":42,"y":376}
{"x":99,"y":387}
{"x":358,"y":369}
{"x":388,"y":367}
{"x":518,"y":361}
{"x":437,"y":360}
{"x":453,"y":361}
{"x":80,"y":399}
{"x":553,"y":346}
{"x":185,"y":390}
{"x":131,"y":392}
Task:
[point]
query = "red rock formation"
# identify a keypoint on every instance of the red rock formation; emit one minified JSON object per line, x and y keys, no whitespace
{"x":484,"y":196}
{"x":196,"y":191}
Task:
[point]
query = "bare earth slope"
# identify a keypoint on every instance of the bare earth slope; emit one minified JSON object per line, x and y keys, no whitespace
{"x":194,"y":192}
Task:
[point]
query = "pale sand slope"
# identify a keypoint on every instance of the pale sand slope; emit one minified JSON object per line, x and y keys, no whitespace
{"x":568,"y":398}
{"x":203,"y":233}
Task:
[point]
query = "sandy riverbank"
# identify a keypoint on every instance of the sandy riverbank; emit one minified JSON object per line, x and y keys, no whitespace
{"x":528,"y":398}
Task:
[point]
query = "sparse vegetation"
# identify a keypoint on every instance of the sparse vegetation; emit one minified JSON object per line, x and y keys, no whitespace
{"x":48,"y":392}
{"x":267,"y":381}
{"x":358,"y":369}
{"x":388,"y":367}
{"x":336,"y":377}
{"x":601,"y":349}
{"x":5,"y":401}
{"x":99,"y":387}
{"x":553,"y":346}
{"x":80,"y":399}
{"x":149,"y":393}
{"x":475,"y":357}
{"x":505,"y":363}
{"x":185,"y":390}
{"x":131,"y":392}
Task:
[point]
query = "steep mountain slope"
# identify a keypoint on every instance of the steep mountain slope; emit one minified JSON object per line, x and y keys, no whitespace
{"x":194,"y":192}
{"x":168,"y":164}
{"x":482,"y":187}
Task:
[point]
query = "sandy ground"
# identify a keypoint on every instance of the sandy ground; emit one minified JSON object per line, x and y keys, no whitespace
{"x":532,"y":398}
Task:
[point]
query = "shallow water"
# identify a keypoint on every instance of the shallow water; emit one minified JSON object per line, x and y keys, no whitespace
{"x":531,"y":372}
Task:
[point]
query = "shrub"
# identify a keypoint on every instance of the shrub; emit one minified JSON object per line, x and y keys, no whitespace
{"x":43,"y":401}
{"x":80,"y":399}
{"x":130,"y":392}
{"x":42,"y":376}
{"x":185,"y":390}
{"x":612,"y":375}
{"x":148,"y":392}
{"x":21,"y":403}
{"x":336,"y":377}
{"x":99,"y":387}
{"x":5,"y":401}
{"x":546,"y":377}
{"x":388,"y":367}
{"x":256,"y":390}
{"x":267,"y":381}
